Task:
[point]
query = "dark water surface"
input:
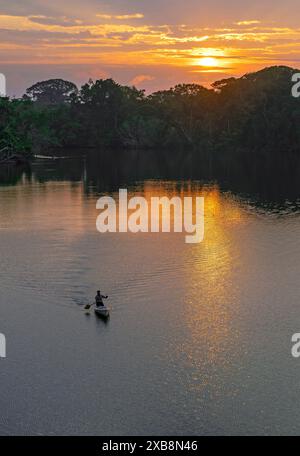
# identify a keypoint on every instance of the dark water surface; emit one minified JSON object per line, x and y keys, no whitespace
{"x":199,"y":336}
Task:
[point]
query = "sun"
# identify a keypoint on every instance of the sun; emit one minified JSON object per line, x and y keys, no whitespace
{"x":208,"y":62}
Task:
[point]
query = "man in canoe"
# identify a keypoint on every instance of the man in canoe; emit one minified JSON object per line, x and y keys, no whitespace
{"x":98,"y":299}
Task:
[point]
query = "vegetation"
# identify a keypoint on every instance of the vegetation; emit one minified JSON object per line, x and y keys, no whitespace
{"x":252,"y":115}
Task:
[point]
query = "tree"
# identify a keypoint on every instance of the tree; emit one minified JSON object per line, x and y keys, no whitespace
{"x":186,"y":109}
{"x":104,"y":106}
{"x":254,"y":114}
{"x":52,"y":92}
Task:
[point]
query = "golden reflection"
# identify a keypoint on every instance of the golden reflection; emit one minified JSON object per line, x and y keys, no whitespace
{"x":212,"y":297}
{"x":209,"y":307}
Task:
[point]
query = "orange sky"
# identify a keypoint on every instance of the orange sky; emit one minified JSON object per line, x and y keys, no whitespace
{"x":149,"y":44}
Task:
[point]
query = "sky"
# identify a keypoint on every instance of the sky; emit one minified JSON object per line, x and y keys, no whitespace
{"x":152,"y":44}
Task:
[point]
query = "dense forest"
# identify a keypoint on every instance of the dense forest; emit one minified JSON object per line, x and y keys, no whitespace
{"x":254,"y":114}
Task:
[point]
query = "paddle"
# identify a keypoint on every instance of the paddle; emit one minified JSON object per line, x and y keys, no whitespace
{"x":88,"y":306}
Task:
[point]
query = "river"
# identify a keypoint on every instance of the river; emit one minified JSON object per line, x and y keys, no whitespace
{"x":199,"y":337}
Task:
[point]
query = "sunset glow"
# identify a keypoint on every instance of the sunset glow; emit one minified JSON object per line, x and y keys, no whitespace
{"x":132,"y":43}
{"x":208,"y":62}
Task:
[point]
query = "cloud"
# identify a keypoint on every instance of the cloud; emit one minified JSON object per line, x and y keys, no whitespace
{"x":62,"y":21}
{"x":129,"y":16}
{"x":120,"y":17}
{"x":137,"y":80}
{"x":253,"y":22}
{"x":60,"y":36}
{"x":104,"y":16}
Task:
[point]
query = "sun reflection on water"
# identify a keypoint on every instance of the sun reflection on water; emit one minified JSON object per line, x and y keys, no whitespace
{"x":210,"y":305}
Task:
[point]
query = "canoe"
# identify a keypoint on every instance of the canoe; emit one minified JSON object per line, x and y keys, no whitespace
{"x":102,"y":311}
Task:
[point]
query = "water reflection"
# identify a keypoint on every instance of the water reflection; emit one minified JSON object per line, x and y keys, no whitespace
{"x":212,"y":341}
{"x":265,"y":183}
{"x":212,"y":277}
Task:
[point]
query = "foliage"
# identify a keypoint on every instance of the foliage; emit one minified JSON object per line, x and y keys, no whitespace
{"x":254,"y":114}
{"x":51,"y":92}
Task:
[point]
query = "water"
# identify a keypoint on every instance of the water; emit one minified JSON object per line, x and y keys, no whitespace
{"x":199,"y":336}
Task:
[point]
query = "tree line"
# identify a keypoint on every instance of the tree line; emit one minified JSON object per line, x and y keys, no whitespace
{"x":253,"y":115}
